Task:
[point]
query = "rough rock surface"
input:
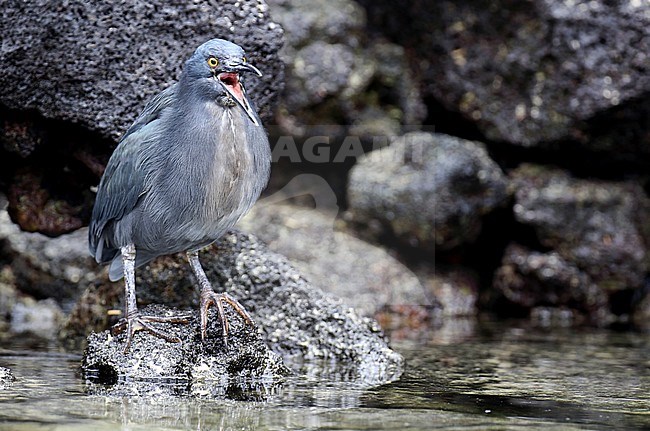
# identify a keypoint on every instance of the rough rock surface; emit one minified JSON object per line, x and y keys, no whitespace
{"x":46,"y":267}
{"x":364,"y":276}
{"x":429,"y":189}
{"x":6,"y":378}
{"x":532,"y":72}
{"x":335,"y":75}
{"x":246,"y":356}
{"x":76,"y":74}
{"x":532,"y":279}
{"x":20,"y":312}
{"x":597,"y":226}
{"x":296,"y":319}
{"x":98,"y":63}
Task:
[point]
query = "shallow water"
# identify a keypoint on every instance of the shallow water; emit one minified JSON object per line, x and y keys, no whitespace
{"x":495,"y":377}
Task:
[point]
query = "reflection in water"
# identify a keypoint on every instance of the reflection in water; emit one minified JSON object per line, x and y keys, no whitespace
{"x":323,"y":376}
{"x":498,"y":378}
{"x":237,"y":390}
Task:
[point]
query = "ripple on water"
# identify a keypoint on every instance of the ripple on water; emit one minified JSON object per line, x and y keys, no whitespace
{"x":501,"y":377}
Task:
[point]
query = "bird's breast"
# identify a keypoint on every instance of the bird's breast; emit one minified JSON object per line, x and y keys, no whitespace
{"x":235,"y":178}
{"x":212,"y":174}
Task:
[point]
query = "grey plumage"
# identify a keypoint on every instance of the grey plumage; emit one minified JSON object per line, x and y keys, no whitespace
{"x":191,"y":165}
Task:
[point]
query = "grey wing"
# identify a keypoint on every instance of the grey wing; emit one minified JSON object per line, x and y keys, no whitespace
{"x":123,"y":182}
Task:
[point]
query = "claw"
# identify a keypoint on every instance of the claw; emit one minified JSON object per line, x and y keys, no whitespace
{"x":210,"y":297}
{"x":136,"y":322}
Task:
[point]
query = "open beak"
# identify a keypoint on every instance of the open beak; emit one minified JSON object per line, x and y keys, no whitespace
{"x":250,"y":68}
{"x":231,"y":83}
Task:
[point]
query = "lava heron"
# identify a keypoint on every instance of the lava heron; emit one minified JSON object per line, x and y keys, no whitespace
{"x":191,"y":165}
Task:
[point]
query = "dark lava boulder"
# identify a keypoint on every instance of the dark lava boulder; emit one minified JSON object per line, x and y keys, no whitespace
{"x":295,"y":319}
{"x":539,"y":282}
{"x":338,"y":75}
{"x":532,"y":72}
{"x":430,"y":190}
{"x":96,"y":64}
{"x":76,"y":74}
{"x":600,"y":227}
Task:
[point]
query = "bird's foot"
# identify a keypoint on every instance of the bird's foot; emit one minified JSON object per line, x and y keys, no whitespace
{"x":210,"y":297}
{"x":135,"y":322}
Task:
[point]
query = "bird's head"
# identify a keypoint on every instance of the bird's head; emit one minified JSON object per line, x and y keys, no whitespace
{"x":215,"y":70}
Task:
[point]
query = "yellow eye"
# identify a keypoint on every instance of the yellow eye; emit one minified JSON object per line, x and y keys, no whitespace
{"x":213,"y":62}
{"x":243,"y":59}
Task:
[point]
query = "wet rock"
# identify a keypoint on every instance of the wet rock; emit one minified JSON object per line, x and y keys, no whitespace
{"x":296,"y":319}
{"x":233,"y":388}
{"x":596,"y":226}
{"x":6,"y":378}
{"x":558,"y":317}
{"x":21,"y":313}
{"x":245,"y":356}
{"x":450,"y":314}
{"x":45,"y":267}
{"x":402,"y":321}
{"x":641,"y":313}
{"x":8,"y":297}
{"x":42,"y":318}
{"x":429,"y":190}
{"x":335,"y":75}
{"x":364,"y":276}
{"x":546,"y":281}
{"x":456,"y":291}
{"x":75,"y":75}
{"x":529,"y":73}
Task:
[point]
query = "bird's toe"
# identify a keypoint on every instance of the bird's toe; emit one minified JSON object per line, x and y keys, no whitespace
{"x":137,"y":322}
{"x":208,"y":298}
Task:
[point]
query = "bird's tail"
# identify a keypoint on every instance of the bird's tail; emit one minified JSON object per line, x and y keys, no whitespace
{"x":101,"y":251}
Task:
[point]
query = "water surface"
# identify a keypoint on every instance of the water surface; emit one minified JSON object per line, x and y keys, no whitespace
{"x":491,"y":378}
